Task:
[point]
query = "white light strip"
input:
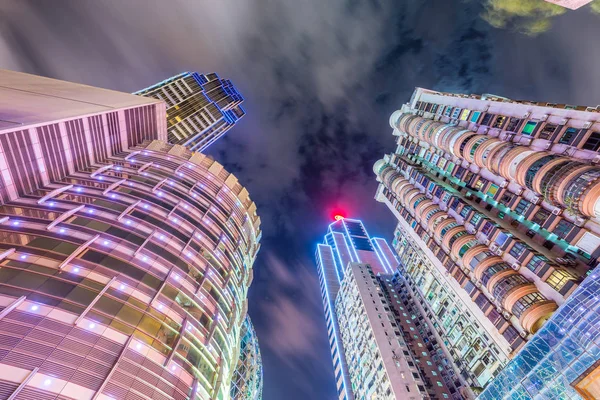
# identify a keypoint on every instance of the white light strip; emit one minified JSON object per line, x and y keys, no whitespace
{"x":63,"y":217}
{"x":101,"y":170}
{"x":145,"y":167}
{"x":114,"y":186}
{"x":128,"y":209}
{"x":7,"y":253}
{"x":23,"y":384}
{"x":54,"y":193}
{"x":78,"y":251}
{"x":98,"y":296}
{"x":12,"y":306}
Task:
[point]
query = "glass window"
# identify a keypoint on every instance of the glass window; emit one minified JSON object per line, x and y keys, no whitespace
{"x":593,"y":142}
{"x":548,"y":130}
{"x":517,"y":250}
{"x":536,"y":262}
{"x":487,"y":118}
{"x":559,"y":279}
{"x":522,"y":207}
{"x":513,"y":124}
{"x":569,"y":135}
{"x":529,"y":128}
{"x":563,"y":228}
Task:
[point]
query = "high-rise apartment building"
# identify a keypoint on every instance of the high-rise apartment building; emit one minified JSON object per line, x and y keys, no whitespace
{"x":200,"y":108}
{"x":247,"y":381}
{"x":375,"y":350}
{"x":497,"y":204}
{"x":572,"y":4}
{"x":124,"y":260}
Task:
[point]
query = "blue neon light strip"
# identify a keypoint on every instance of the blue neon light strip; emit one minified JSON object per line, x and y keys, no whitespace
{"x":335,"y":332}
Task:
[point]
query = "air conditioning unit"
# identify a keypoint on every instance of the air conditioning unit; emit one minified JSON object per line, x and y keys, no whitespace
{"x":557,"y":211}
{"x":536,"y":200}
{"x":498,"y":252}
{"x":544,"y":117}
{"x":549,"y":145}
{"x":596,"y":160}
{"x":516,"y":266}
{"x":486,"y":242}
{"x":505,"y":183}
{"x":563,"y":121}
{"x":527,"y":115}
{"x":588,"y":125}
{"x":493,"y":247}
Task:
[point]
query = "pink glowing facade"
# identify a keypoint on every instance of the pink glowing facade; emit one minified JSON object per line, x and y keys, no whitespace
{"x":124,"y":261}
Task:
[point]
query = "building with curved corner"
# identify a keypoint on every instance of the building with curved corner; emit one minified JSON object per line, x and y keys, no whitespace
{"x":125,"y":261}
{"x":501,"y":197}
{"x":201,"y":108}
{"x":247,"y":381}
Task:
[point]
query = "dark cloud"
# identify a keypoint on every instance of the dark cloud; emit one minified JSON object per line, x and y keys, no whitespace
{"x":320,"y":79}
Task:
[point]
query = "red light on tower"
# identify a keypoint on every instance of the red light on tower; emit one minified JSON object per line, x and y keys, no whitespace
{"x":338,"y":217}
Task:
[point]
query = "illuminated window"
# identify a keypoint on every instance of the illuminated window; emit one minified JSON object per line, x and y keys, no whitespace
{"x":529,"y":128}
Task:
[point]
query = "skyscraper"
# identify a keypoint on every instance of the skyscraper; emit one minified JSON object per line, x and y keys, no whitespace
{"x":124,"y":261}
{"x":247,"y":381}
{"x":375,"y":350}
{"x":497,"y":205}
{"x":200,"y":108}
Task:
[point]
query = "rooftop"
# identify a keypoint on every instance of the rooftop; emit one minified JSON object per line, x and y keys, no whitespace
{"x":27,"y":100}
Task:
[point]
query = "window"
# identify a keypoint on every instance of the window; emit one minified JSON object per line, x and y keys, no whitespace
{"x":593,"y":142}
{"x":499,"y":122}
{"x":568,"y":136}
{"x":522,"y":207}
{"x":529,"y":128}
{"x":513,"y":124}
{"x":541,"y":216}
{"x":563,"y":229}
{"x":548,"y":131}
{"x":475,"y":116}
{"x":536,"y":262}
{"x":487,"y":119}
{"x":525,"y":302}
{"x":559,"y":279}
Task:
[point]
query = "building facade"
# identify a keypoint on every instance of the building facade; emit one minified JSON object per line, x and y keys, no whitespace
{"x":562,"y":361}
{"x":125,"y":261}
{"x":500,"y":198}
{"x":247,"y":381}
{"x":200,"y":108}
{"x":376,"y":351}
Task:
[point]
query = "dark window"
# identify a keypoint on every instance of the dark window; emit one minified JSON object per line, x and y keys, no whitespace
{"x":593,"y":142}
{"x":487,"y":119}
{"x":522,"y":207}
{"x":563,"y":228}
{"x":513,"y":124}
{"x":548,"y":131}
{"x":568,"y":136}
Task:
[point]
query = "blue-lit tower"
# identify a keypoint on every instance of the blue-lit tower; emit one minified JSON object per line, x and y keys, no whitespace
{"x":200,"y":108}
{"x":346,"y":241}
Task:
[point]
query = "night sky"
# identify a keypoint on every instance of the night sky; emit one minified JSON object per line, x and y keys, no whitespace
{"x":320,"y":79}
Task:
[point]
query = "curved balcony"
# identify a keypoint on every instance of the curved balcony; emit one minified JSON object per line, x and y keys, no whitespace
{"x":422,"y":208}
{"x":506,"y":283}
{"x":462,"y":245}
{"x":435,"y":220}
{"x":444,"y":227}
{"x":493,"y":272}
{"x":452,"y":235}
{"x":482,"y":152}
{"x":535,"y":315}
{"x":530,"y":306}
